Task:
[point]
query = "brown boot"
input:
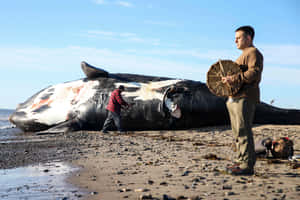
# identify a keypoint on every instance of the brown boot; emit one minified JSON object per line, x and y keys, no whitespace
{"x":237,"y":171}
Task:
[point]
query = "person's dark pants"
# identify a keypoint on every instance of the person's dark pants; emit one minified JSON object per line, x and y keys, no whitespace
{"x":112,"y":117}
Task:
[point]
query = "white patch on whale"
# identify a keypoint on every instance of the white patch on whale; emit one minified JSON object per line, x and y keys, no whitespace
{"x":64,"y":98}
{"x":147,"y":91}
{"x":153,"y":90}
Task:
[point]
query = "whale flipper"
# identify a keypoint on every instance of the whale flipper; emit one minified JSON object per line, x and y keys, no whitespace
{"x":63,"y":127}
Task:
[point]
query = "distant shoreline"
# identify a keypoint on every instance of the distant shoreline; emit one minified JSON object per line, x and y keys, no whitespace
{"x":7,"y":109}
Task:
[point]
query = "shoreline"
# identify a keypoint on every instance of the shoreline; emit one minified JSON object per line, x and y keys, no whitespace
{"x":177,"y":164}
{"x":39,"y":181}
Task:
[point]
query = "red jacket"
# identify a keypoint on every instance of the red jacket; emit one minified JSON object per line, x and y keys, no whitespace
{"x":115,"y":102}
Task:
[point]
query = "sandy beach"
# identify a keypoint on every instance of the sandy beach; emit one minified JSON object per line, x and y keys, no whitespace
{"x":182,"y":164}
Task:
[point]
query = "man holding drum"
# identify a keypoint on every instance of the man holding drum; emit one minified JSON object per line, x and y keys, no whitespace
{"x":241,"y":106}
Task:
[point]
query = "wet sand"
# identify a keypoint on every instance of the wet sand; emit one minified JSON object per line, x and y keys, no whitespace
{"x":38,"y":182}
{"x":179,"y":164}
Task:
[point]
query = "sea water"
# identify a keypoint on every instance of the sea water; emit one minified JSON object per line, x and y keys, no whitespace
{"x":38,"y":182}
{"x":35,"y":182}
{"x":4,"y":115}
{"x":7,"y":130}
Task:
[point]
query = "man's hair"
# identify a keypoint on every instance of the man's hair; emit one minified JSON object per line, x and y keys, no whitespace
{"x":248,"y":30}
{"x":121,"y":87}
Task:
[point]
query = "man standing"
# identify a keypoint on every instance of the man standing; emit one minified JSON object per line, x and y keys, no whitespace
{"x":241,"y":106}
{"x":114,"y":106}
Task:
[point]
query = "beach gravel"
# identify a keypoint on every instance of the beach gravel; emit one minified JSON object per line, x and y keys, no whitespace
{"x":182,"y":164}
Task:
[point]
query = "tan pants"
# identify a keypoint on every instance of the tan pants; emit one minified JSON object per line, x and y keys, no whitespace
{"x":241,"y":112}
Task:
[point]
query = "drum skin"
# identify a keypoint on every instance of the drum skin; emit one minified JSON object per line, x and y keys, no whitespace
{"x":221,"y":69}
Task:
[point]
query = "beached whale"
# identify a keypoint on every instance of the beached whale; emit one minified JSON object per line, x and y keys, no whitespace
{"x":158,"y":103}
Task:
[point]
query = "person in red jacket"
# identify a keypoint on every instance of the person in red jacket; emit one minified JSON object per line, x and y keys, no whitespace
{"x":114,"y":106}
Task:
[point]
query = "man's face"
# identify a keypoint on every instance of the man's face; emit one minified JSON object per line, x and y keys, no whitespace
{"x":242,"y":40}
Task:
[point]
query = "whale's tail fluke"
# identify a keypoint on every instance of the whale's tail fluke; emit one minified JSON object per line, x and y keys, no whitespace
{"x":93,"y":72}
{"x":268,"y":114}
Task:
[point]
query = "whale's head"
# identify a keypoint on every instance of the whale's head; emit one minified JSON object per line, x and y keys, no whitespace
{"x":53,"y":105}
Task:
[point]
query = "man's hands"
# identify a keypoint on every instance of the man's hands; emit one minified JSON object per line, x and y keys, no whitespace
{"x":228,"y":79}
{"x":128,"y":106}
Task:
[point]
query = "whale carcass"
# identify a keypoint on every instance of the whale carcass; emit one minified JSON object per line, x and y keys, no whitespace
{"x":157,"y":103}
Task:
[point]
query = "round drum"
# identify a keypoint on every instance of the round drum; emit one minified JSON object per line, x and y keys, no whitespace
{"x":221,"y":69}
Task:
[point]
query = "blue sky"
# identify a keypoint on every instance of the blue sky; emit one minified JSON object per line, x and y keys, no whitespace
{"x":43,"y":42}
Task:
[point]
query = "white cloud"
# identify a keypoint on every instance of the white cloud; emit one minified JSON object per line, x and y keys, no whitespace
{"x":278,"y":75}
{"x":127,"y":34}
{"x":132,"y":61}
{"x":103,"y":33}
{"x":285,"y":56}
{"x":161,"y":23}
{"x":124,"y":4}
{"x":129,"y":37}
{"x":101,"y":2}
{"x":117,"y":3}
{"x":35,"y":59}
{"x":150,"y":6}
{"x":281,"y":54}
{"x":210,"y":55}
